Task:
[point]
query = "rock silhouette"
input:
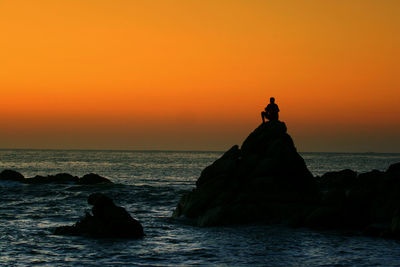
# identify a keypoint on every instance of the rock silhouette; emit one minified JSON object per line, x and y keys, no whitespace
{"x":61,"y":178}
{"x":266,"y":180}
{"x":106,"y":220}
{"x":368,"y":201}
{"x":10,"y":175}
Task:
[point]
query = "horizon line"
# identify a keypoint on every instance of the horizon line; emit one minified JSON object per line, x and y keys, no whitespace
{"x":171,"y":150}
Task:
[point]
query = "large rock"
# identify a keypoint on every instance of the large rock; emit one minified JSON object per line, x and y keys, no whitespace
{"x":369,"y":202}
{"x":106,"y":220}
{"x":265,"y":179}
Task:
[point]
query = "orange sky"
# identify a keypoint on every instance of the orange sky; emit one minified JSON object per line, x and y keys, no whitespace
{"x":182,"y":75}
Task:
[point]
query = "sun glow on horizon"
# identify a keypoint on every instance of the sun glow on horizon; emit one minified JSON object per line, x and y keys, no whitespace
{"x":195,"y":75}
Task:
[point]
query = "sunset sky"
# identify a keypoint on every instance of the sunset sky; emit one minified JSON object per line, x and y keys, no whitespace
{"x":195,"y":75}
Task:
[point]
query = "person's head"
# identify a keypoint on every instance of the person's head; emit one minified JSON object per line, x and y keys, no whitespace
{"x":272,"y":100}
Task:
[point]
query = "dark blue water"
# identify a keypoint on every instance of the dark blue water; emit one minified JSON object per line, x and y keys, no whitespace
{"x":148,"y":185}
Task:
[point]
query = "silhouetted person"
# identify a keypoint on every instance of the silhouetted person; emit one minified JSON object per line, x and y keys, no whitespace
{"x":271,"y":111}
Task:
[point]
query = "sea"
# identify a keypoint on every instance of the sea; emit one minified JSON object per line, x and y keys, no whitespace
{"x":149,"y":184}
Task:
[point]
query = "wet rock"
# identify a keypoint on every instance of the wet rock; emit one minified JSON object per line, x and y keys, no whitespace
{"x":266,"y":180}
{"x":325,"y":217}
{"x":395,"y":225}
{"x":334,"y":197}
{"x":366,"y":203}
{"x":11,"y":176}
{"x":61,"y":178}
{"x":224,"y":166}
{"x":371,"y":178}
{"x":251,"y":183}
{"x":340,"y":179}
{"x":394,"y":169}
{"x":106,"y":220}
{"x":377,"y":230}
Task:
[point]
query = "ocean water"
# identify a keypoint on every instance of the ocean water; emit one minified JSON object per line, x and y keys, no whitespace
{"x":149,"y":184}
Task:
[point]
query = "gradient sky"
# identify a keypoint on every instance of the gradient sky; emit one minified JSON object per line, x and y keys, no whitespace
{"x":195,"y":75}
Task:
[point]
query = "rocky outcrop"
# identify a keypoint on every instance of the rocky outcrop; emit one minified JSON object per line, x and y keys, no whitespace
{"x":368,"y":201}
{"x":106,"y":220}
{"x":265,"y":179}
{"x":61,"y":178}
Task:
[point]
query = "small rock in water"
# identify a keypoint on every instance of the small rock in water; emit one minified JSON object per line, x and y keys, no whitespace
{"x":11,"y":176}
{"x":61,"y":178}
{"x":106,"y":220}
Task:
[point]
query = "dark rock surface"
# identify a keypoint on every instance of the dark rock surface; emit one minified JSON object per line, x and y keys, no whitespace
{"x":61,"y":178}
{"x":11,"y":175}
{"x":338,"y":179}
{"x":266,"y":180}
{"x":106,"y":220}
{"x":369,"y":202}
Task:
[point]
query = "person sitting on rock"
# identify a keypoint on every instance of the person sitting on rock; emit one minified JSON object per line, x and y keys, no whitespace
{"x":271,"y":111}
